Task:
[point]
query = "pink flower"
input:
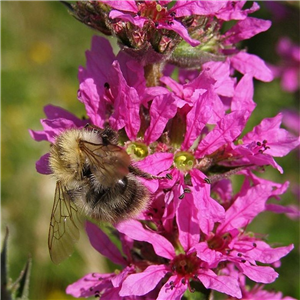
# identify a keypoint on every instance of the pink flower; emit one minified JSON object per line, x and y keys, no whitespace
{"x":152,"y":14}
{"x":229,"y":242}
{"x":181,"y":269}
{"x":265,"y":141}
{"x":289,"y":66}
{"x":165,"y":273}
{"x":141,"y":279}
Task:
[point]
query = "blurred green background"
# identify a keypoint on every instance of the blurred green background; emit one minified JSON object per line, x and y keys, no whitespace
{"x":42,"y":47}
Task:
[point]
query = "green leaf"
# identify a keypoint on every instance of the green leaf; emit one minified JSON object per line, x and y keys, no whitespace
{"x":5,"y":295}
{"x":23,"y":287}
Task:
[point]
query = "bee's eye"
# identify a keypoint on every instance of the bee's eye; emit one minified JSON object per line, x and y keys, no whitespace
{"x":122,"y":184}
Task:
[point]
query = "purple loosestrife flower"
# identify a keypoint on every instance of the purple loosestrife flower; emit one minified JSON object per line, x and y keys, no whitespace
{"x":164,"y":275}
{"x":289,"y":66}
{"x":230,"y":242}
{"x":193,"y":235}
{"x":198,"y":259}
{"x":195,"y":238}
{"x":168,"y":269}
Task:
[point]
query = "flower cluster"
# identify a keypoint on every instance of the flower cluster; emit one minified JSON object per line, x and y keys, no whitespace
{"x":186,"y":34}
{"x":193,"y":237}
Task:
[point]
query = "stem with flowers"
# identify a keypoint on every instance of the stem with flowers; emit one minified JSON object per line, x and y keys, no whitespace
{"x":180,"y":92}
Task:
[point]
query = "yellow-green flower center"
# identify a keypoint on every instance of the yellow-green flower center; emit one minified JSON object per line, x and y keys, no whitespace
{"x":137,"y":150}
{"x":184,"y":161}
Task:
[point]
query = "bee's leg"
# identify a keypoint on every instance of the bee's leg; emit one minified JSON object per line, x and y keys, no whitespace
{"x":138,"y":172}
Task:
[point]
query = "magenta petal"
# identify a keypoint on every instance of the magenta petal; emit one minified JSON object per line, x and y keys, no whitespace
{"x":98,"y":61}
{"x":259,"y":273}
{"x":248,"y":156}
{"x":243,"y":95}
{"x":291,"y":119}
{"x":188,"y":227}
{"x":226,"y":131}
{"x":245,"y":208}
{"x":197,"y":118}
{"x":138,"y":21}
{"x":133,"y":74}
{"x":245,"y":29}
{"x":126,"y":103}
{"x":265,"y":254}
{"x":58,"y":120}
{"x":56,"y":112}
{"x":131,"y":107}
{"x":89,"y":95}
{"x":111,"y":294}
{"x":156,"y":163}
{"x":141,"y":283}
{"x":176,"y":293}
{"x":78,"y":288}
{"x":211,"y":256}
{"x":136,"y":231}
{"x":176,"y":87}
{"x":290,"y":78}
{"x":209,"y":210}
{"x":42,"y":165}
{"x":186,"y":7}
{"x":279,"y":140}
{"x":86,"y":286}
{"x":102,"y":244}
{"x":38,"y":135}
{"x":280,"y":209}
{"x":251,"y":64}
{"x":277,"y":188}
{"x":220,"y":72}
{"x":224,"y":284}
{"x":164,"y":2}
{"x":117,"y":280}
{"x":54,"y":127}
{"x":93,"y":77}
{"x":128,"y":5}
{"x":163,"y":108}
{"x":181,"y":30}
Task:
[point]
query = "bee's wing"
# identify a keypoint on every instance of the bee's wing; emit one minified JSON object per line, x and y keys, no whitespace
{"x":110,"y":160}
{"x":64,"y":225}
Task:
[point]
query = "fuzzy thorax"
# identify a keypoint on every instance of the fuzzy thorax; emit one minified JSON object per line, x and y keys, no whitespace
{"x":67,"y":160}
